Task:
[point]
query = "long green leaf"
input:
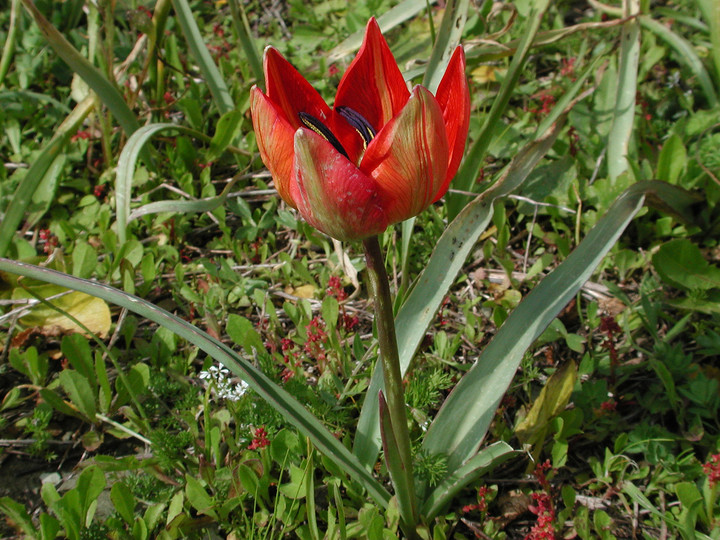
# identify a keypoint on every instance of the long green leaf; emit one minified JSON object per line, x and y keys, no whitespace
{"x":37,"y":172}
{"x":686,"y":53}
{"x":105,"y":90}
{"x":463,"y":420}
{"x":277,"y":397}
{"x":404,"y":491}
{"x":419,"y":309}
{"x":475,"y":156}
{"x":624,"y":109}
{"x":210,"y":72}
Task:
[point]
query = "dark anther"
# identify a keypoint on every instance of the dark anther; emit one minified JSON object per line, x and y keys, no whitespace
{"x":357,"y":120}
{"x":321,"y":129}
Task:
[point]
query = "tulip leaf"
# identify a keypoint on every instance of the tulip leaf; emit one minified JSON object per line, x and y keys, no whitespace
{"x":463,"y":420}
{"x":418,"y":311}
{"x":482,"y":462}
{"x":244,"y":368}
{"x":404,"y":491}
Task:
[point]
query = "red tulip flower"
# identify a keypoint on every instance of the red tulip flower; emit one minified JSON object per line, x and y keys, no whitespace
{"x":381,"y":155}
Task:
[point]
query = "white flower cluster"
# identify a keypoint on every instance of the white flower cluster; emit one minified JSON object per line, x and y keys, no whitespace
{"x":219,"y":378}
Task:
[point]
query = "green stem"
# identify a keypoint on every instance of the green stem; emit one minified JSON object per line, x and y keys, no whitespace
{"x":402,"y":477}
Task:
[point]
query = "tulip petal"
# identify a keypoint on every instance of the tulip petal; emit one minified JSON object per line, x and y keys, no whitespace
{"x":289,"y":90}
{"x":335,"y":196}
{"x":373,"y":84}
{"x":274,"y":136}
{"x":453,"y":96}
{"x":409,"y":157}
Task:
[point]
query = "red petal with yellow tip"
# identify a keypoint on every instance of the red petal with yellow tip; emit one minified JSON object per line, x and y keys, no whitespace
{"x":409,"y":157}
{"x":453,"y":96}
{"x":373,"y":85}
{"x":335,"y":196}
{"x":274,"y":136}
{"x":289,"y":90}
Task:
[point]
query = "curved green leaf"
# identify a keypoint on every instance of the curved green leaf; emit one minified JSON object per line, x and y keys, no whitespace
{"x":482,"y":462}
{"x":463,"y":420}
{"x":126,"y":171}
{"x":422,"y":303}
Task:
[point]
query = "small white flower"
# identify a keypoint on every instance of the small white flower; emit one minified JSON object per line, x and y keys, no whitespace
{"x":218,"y":378}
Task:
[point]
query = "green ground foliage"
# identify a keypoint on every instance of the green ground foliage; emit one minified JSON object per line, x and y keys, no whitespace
{"x":128,"y":158}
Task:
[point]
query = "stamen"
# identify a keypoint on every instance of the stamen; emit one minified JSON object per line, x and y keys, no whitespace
{"x":357,"y":120}
{"x":321,"y":129}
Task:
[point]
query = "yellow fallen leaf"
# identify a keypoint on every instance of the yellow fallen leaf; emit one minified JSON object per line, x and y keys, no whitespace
{"x":303,"y":291}
{"x":92,"y":312}
{"x":483,"y":74}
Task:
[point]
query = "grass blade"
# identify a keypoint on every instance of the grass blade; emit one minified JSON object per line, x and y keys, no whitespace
{"x":422,"y":303}
{"x":38,"y":170}
{"x":448,"y":37}
{"x":277,"y":397}
{"x":127,"y":163}
{"x":242,"y":29}
{"x":395,"y":16}
{"x":475,"y":156}
{"x":210,"y":72}
{"x":9,"y":48}
{"x":626,"y":90}
{"x":183,"y":207}
{"x":463,"y":420}
{"x":105,"y":90}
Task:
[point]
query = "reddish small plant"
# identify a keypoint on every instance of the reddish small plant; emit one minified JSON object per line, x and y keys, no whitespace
{"x":611,"y":328}
{"x":316,"y":339}
{"x":482,"y":504}
{"x":543,"y":507}
{"x":51,"y":241}
{"x":260,"y":439}
{"x":712,"y":470}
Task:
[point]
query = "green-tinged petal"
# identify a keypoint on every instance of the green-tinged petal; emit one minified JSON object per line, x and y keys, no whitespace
{"x":274,"y":137}
{"x":453,"y":96}
{"x":408,"y":159}
{"x":335,"y":196}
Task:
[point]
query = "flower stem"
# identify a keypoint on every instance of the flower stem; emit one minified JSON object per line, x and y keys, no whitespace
{"x":394,"y":394}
